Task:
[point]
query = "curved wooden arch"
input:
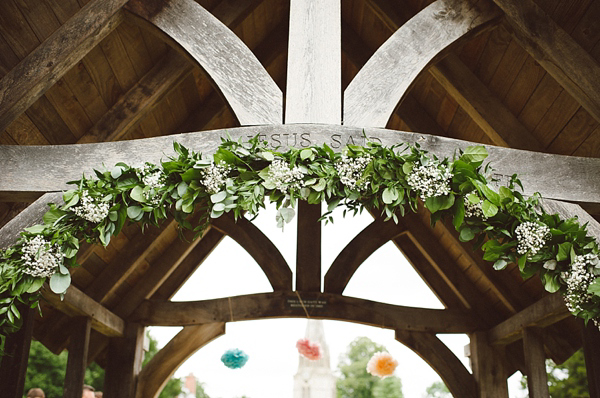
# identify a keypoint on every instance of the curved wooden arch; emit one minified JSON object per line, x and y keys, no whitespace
{"x":432,"y":350}
{"x":159,"y":370}
{"x":256,"y":243}
{"x":364,"y":244}
{"x":247,"y":87}
{"x":374,"y":93}
{"x":303,"y":305}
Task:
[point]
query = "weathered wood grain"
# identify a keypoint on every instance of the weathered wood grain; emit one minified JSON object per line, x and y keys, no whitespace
{"x":161,"y":367}
{"x":544,"y":312}
{"x":43,"y":67}
{"x":457,"y":378}
{"x":123,"y":362}
{"x":77,"y":303}
{"x":13,"y":365}
{"x":314,"y":78}
{"x":245,"y":84}
{"x":303,"y":305}
{"x":374,"y":93}
{"x":535,"y":362}
{"x":308,"y":249}
{"x":489,"y":367}
{"x":77,"y":360}
{"x":553,"y":48}
{"x":357,"y":251}
{"x":262,"y":250}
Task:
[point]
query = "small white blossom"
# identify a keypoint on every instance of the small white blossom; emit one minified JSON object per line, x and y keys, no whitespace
{"x":430,"y":180}
{"x":350,"y":170}
{"x":153,"y":178}
{"x":285,"y":177}
{"x":91,"y":209}
{"x":40,"y":258}
{"x":531,"y":237}
{"x":215,"y":177}
{"x":474,"y":209}
{"x":578,"y":280}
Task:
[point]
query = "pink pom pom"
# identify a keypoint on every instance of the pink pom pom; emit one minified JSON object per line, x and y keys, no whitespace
{"x":309,"y":350}
{"x":382,"y":364}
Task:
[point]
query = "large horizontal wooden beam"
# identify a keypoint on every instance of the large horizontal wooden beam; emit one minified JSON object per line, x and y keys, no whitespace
{"x":544,"y":312}
{"x":374,"y":93}
{"x":77,"y":303}
{"x":45,"y":65}
{"x":554,"y":176}
{"x":556,"y":51}
{"x":250,"y":91}
{"x":303,"y":305}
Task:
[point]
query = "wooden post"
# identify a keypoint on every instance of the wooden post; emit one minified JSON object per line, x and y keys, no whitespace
{"x":13,"y":364}
{"x":488,"y":367}
{"x":591,"y":351}
{"x":124,"y":363}
{"x":535,"y":363}
{"x":77,"y":361}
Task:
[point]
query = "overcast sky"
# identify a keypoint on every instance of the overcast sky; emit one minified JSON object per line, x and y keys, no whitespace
{"x":270,"y":344}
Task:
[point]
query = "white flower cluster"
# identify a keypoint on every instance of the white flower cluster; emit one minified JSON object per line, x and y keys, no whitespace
{"x":40,"y":258}
{"x":578,"y":280}
{"x":531,"y":237}
{"x":474,"y":209}
{"x":91,"y":209}
{"x":430,"y":180}
{"x":350,"y":170}
{"x":283,"y":177}
{"x":153,"y":178}
{"x":215,"y":177}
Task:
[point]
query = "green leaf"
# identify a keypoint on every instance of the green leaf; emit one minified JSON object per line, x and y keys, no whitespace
{"x":286,"y":213}
{"x":215,"y":214}
{"x":594,"y":287}
{"x":187,"y":207}
{"x":59,"y":283}
{"x":116,"y":172}
{"x":36,"y":285}
{"x":51,"y":216}
{"x":521,"y":262}
{"x":333,"y":204}
{"x":490,"y":194}
{"x":551,"y":283}
{"x":389,"y":195}
{"x":489,"y":209}
{"x":218,"y":197}
{"x":219,"y":207}
{"x":466,"y":234}
{"x":563,"y":251}
{"x":320,"y":186}
{"x":36,"y":229}
{"x":437,"y":203}
{"x":71,"y":198}
{"x":137,"y":194}
{"x":473,"y":198}
{"x":134,"y":212}
{"x":268,"y":156}
{"x":191,"y":174}
{"x":407,"y":167}
{"x":500,"y":264}
{"x":306,"y":153}
{"x":474,"y":154}
{"x":459,"y":213}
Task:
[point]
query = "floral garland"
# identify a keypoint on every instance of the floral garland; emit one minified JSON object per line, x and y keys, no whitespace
{"x":507,"y":226}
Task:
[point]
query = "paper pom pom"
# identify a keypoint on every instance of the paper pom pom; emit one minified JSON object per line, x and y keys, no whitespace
{"x":382,"y":364}
{"x":234,"y":359}
{"x":309,"y":350}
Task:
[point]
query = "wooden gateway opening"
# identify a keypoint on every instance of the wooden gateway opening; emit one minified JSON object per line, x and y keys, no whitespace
{"x":86,"y":83}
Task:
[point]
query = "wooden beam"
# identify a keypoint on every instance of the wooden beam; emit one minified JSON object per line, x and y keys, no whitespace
{"x":44,"y":66}
{"x":432,"y":350}
{"x":136,"y":103}
{"x":544,"y":312}
{"x":250,"y":91}
{"x":556,"y":51}
{"x":535,"y":362}
{"x":364,"y":244}
{"x":303,"y":305}
{"x":15,"y":355}
{"x":77,"y":303}
{"x":308,"y":250}
{"x":161,"y":367}
{"x":314,"y":62}
{"x":378,"y":88}
{"x":591,"y":351}
{"x":124,"y":362}
{"x":262,"y":250}
{"x":494,"y":118}
{"x":489,"y":367}
{"x":77,"y":360}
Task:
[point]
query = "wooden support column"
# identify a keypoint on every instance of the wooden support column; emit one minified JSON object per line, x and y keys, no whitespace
{"x":313,"y":96}
{"x":591,"y":351}
{"x":77,"y":361}
{"x":488,"y":367}
{"x":124,"y":363}
{"x":535,"y":363}
{"x":13,"y":364}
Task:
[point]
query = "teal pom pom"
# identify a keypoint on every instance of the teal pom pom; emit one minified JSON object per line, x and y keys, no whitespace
{"x":234,"y":358}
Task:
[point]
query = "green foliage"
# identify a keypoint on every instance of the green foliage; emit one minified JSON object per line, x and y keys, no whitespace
{"x":438,"y":390}
{"x":240,"y":176}
{"x":355,"y":382}
{"x":568,"y":380}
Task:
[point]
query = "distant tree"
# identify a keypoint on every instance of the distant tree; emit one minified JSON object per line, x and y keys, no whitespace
{"x":438,"y":390}
{"x":200,"y":393}
{"x":174,"y":386}
{"x":568,"y":380}
{"x":355,"y":382}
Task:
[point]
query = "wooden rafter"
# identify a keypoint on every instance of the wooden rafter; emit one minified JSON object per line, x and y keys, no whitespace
{"x":41,"y":69}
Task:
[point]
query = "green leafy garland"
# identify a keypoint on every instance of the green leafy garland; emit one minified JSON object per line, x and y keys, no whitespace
{"x":507,"y":226}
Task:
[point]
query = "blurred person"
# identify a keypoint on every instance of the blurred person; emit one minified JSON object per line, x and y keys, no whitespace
{"x":36,"y":393}
{"x":88,"y":392}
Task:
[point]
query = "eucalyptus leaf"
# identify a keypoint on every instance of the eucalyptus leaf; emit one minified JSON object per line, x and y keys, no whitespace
{"x":133,"y":212}
{"x":59,"y":283}
{"x":36,"y":229}
{"x":594,"y":287}
{"x":182,"y":188}
{"x":475,"y":154}
{"x":218,"y":197}
{"x":466,"y":234}
{"x":489,"y":209}
{"x":500,"y":264}
{"x":36,"y":285}
{"x":306,"y":153}
{"x":268,"y":156}
{"x":116,"y":172}
{"x":287,"y":213}
{"x":389,"y":195}
{"x":137,"y":194}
